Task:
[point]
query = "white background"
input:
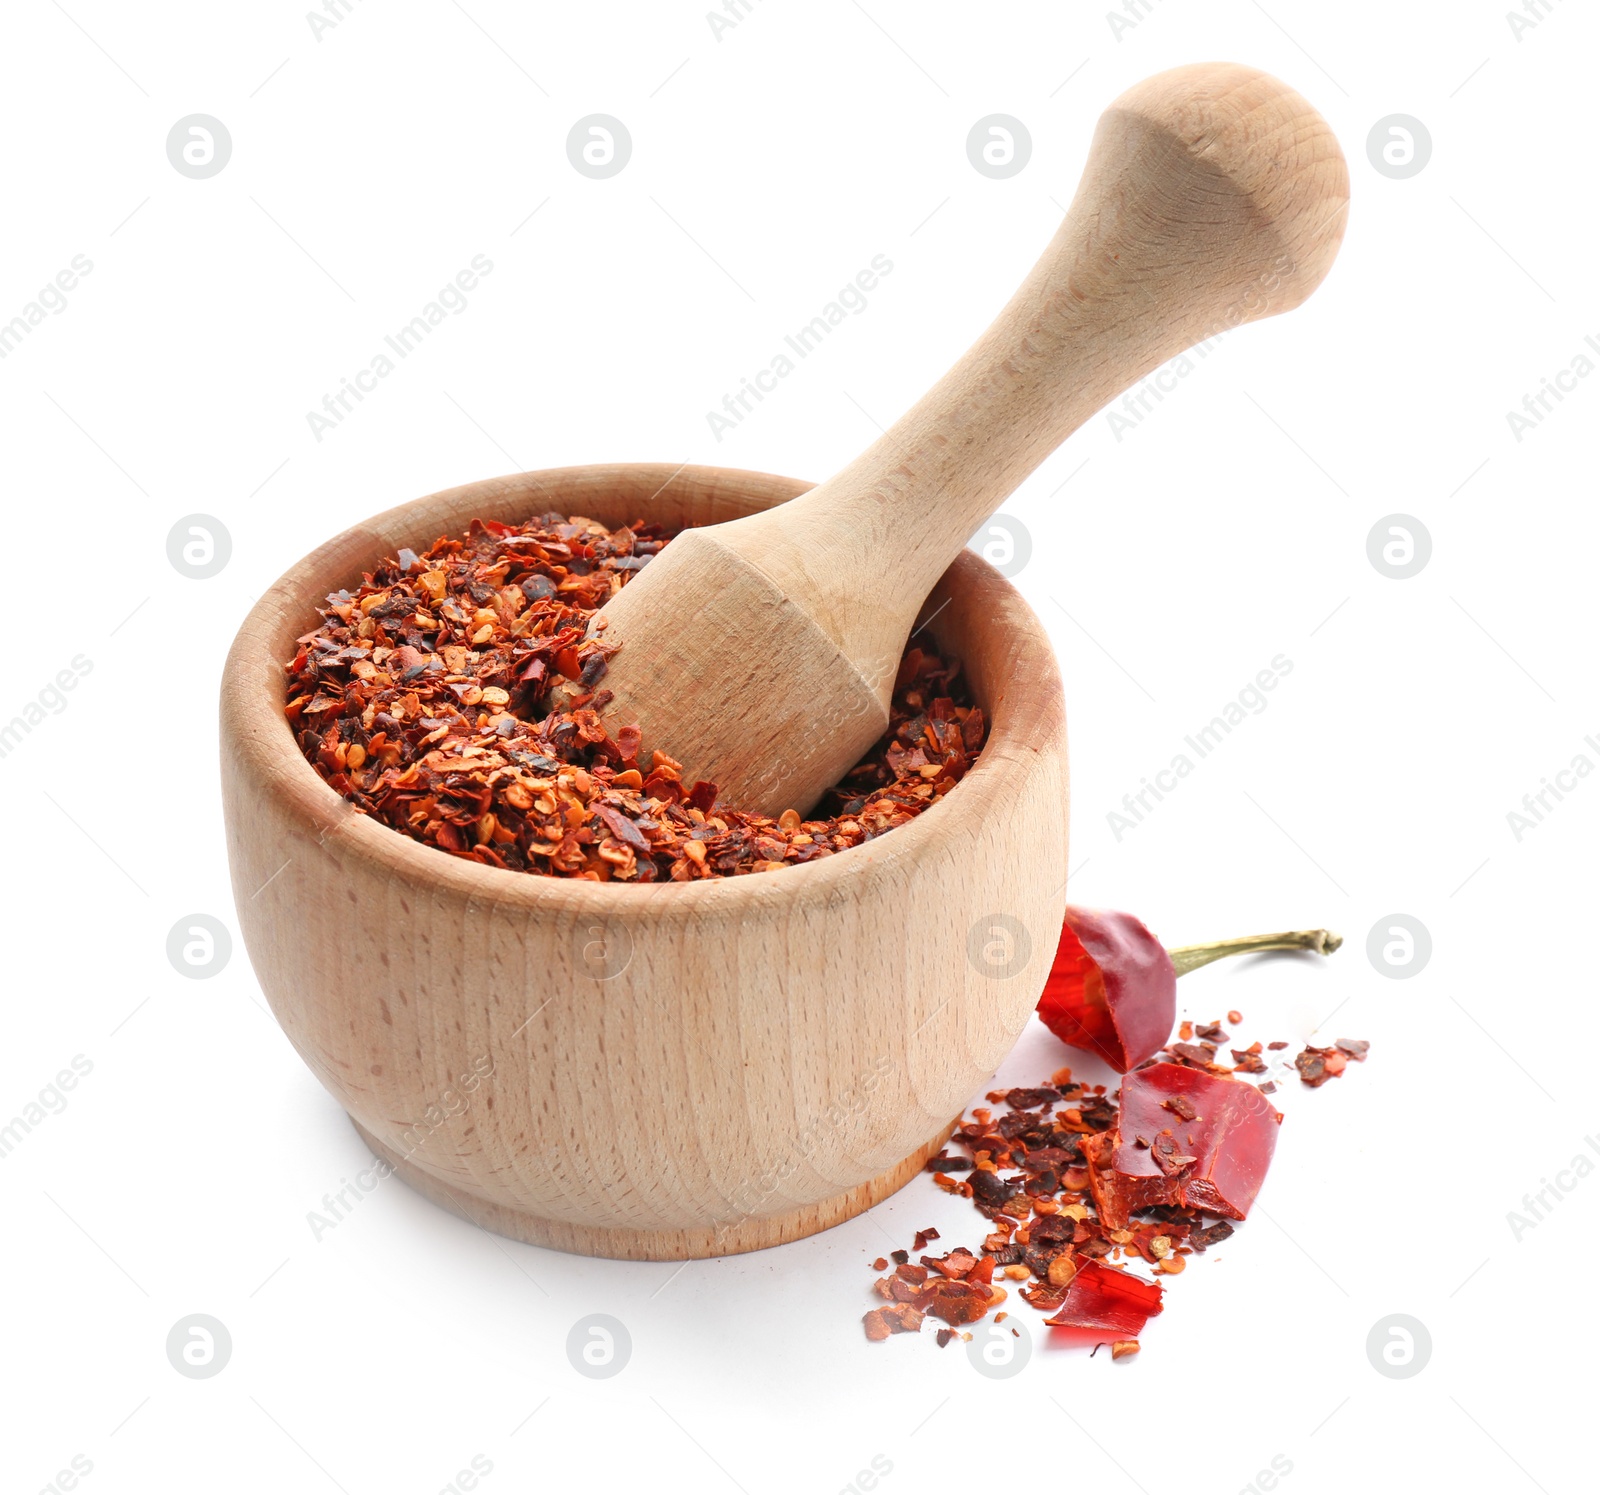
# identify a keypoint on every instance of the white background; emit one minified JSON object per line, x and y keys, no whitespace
{"x":769,"y":167}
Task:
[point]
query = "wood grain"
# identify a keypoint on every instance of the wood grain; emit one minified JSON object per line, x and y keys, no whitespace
{"x":673,"y":1070}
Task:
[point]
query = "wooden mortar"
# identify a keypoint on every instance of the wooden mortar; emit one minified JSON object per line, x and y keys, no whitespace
{"x":659,"y":1072}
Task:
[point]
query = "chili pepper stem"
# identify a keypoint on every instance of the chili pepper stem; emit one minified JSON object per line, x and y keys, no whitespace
{"x":1186,"y":958}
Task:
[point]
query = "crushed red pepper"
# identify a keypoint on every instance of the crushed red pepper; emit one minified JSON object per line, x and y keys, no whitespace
{"x":1026,"y":1172}
{"x":1046,"y":1175}
{"x":454,"y":696}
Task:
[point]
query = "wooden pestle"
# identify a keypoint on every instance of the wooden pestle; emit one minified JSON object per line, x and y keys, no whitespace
{"x":761,"y":653}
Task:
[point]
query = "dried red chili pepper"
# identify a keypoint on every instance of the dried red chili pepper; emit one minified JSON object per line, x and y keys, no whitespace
{"x":1112,"y":989}
{"x":1207,"y":1143}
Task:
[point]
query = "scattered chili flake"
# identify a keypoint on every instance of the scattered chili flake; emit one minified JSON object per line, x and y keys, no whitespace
{"x":1216,"y":1163}
{"x":1318,"y":1066}
{"x":1028,"y":1100}
{"x":1122,"y":1348}
{"x":897,"y":1318}
{"x":988,"y":1188}
{"x":1102,"y":1297}
{"x":455,"y":697}
{"x":1209,"y":1235}
{"x":1086,"y":1202}
{"x":1236,"y":1018}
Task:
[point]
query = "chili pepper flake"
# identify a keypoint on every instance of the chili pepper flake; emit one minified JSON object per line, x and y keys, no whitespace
{"x":1318,"y":1066}
{"x":1216,"y":1164}
{"x":988,"y":1188}
{"x":454,"y":696}
{"x":898,"y":1318}
{"x":1093,"y":1206}
{"x":1107,"y":1298}
{"x":1210,"y":1235}
{"x":1028,"y":1100}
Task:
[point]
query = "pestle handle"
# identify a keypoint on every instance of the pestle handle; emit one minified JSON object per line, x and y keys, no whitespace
{"x":761,"y":652}
{"x":1213,"y":195}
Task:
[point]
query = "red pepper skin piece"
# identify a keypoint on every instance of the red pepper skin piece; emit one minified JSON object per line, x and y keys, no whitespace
{"x":1112,"y":989}
{"x":1102,"y":1297}
{"x":1231,"y":1139}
